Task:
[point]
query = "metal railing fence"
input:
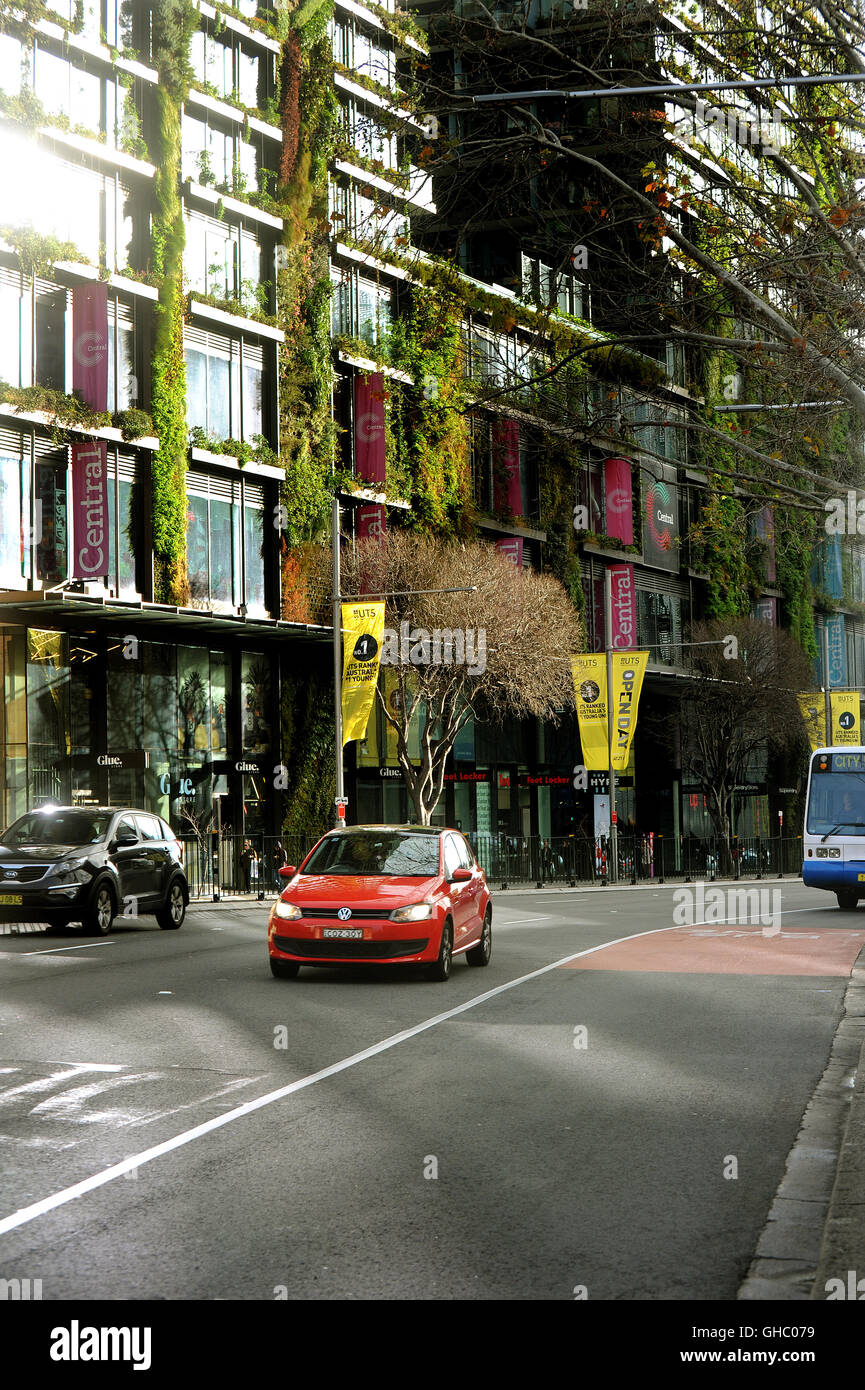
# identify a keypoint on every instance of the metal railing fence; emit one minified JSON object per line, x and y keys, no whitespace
{"x":225,"y":867}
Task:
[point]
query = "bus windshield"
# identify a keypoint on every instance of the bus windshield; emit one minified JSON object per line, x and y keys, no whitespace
{"x":836,"y":805}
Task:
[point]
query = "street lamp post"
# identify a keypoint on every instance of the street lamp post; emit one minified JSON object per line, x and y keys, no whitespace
{"x":669,"y":88}
{"x":337,"y":663}
{"x":608,"y":643}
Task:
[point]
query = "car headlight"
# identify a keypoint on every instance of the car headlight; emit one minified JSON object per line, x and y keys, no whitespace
{"x":287,"y":910}
{"x":67,"y":871}
{"x":417,"y":912}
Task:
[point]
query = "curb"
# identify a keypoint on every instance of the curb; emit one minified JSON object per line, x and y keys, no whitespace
{"x":843,"y":1248}
{"x":816,"y":1224}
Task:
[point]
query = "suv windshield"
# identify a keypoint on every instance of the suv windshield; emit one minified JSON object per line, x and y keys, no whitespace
{"x":376,"y":852}
{"x":57,"y":828}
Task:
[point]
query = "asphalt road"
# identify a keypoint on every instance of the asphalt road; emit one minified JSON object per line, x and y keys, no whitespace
{"x":616,"y":1123}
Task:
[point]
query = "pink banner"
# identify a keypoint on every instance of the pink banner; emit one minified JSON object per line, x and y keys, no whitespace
{"x":371,"y":523}
{"x":507,"y":494}
{"x":624,"y":633}
{"x":90,"y":514}
{"x":369,"y":438}
{"x":512,"y":549}
{"x":765,"y":610}
{"x":619,"y":500}
{"x":90,"y":344}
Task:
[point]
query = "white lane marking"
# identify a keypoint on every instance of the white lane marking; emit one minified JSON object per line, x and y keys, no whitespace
{"x":117,"y":1170}
{"x":72,"y":1070}
{"x":519,"y":921}
{"x":55,"y":949}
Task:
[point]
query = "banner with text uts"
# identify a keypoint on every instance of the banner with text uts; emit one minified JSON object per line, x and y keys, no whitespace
{"x":362,"y":632}
{"x":845,"y":716}
{"x":590,"y":686}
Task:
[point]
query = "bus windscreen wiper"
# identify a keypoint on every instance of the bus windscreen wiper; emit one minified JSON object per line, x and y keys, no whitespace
{"x":859,"y":824}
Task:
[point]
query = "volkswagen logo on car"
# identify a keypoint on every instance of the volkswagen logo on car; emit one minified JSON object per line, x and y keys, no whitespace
{"x":344,"y":914}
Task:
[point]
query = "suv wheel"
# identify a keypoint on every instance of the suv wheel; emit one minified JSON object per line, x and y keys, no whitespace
{"x":171,"y":916}
{"x":100,"y":914}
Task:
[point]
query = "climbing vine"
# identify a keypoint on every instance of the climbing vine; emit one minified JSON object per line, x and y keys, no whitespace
{"x":308,"y":118}
{"x":308,"y":740}
{"x":174,"y":22}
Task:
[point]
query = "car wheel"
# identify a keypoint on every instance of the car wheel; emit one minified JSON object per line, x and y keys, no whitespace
{"x":442,"y":968}
{"x":171,"y":916}
{"x":99,"y":916}
{"x":847,"y":899}
{"x":480,"y":954}
{"x":283,"y":969}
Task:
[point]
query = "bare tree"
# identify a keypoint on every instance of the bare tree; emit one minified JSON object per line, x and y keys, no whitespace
{"x":738,"y":708}
{"x":727,"y":225}
{"x":501,"y":650}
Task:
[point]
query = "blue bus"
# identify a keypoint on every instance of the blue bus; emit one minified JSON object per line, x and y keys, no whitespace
{"x":833,"y":845}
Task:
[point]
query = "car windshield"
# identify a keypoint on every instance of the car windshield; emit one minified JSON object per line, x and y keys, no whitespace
{"x":57,"y":828}
{"x":377,"y":852}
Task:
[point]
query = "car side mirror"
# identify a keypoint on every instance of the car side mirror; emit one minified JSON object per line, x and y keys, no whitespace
{"x":461,"y":875}
{"x":287,"y":871}
{"x":124,"y":840}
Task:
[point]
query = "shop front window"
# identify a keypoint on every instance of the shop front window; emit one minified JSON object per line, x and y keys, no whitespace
{"x":48,"y":733}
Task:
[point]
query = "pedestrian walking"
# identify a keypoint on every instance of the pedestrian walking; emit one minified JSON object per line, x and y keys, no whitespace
{"x":279,"y":858}
{"x":248,"y":857}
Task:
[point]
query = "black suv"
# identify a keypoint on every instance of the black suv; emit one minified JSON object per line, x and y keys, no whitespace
{"x":88,"y":864}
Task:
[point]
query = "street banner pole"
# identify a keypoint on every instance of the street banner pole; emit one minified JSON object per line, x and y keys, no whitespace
{"x":826,"y":693}
{"x":337,"y":665}
{"x":608,"y":643}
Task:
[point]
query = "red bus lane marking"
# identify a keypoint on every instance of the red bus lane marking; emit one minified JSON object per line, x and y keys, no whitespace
{"x":731,"y":950}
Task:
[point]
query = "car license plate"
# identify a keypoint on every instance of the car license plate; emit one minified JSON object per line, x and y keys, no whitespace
{"x":11,"y":899}
{"x":342,"y":931}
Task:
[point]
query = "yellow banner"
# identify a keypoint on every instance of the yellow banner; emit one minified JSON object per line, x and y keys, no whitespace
{"x":362,"y":632}
{"x":629,"y":668}
{"x":813,"y":708}
{"x":845,"y":716}
{"x":590,"y":687}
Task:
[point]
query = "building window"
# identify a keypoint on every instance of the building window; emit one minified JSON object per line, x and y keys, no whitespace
{"x":225,"y":543}
{"x":367,"y":219}
{"x":659,"y":626}
{"x":223,"y":65}
{"x":361,"y":308}
{"x":368,"y":135}
{"x":224,"y":261}
{"x":224,"y":379}
{"x":69,"y":202}
{"x":218,"y":158}
{"x":554,"y":289}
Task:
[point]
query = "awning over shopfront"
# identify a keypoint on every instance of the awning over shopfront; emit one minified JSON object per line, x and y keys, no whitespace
{"x":81,"y":612}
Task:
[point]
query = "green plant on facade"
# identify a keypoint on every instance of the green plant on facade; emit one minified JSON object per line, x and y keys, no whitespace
{"x":308,"y":740}
{"x":69,"y":412}
{"x":308,"y":115}
{"x":428,"y":429}
{"x":174,"y":22}
{"x":38,"y":254}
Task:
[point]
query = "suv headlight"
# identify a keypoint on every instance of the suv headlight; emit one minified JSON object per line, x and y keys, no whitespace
{"x":417,"y":912}
{"x":287,"y":910}
{"x":67,"y":871}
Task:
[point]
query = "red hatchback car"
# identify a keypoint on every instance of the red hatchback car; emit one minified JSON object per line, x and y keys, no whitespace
{"x":383,"y":894}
